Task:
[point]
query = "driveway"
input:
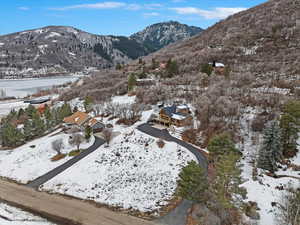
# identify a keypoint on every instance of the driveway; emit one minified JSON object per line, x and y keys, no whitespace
{"x":178,"y":216}
{"x":48,"y":176}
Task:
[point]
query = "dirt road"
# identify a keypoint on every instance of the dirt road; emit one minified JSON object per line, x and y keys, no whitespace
{"x":63,"y":210}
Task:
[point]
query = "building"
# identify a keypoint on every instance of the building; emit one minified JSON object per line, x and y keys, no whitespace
{"x":82,"y":120}
{"x":175,"y":115}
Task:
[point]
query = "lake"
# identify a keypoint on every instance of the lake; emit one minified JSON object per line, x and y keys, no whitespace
{"x":23,"y":87}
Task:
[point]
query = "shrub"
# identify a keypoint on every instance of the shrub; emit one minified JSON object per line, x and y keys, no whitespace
{"x":32,"y":146}
{"x":74,"y":153}
{"x":160,"y":143}
{"x":58,"y":157}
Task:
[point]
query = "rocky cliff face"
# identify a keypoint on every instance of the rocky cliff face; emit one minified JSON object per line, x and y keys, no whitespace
{"x":262,"y":40}
{"x":160,"y":35}
{"x":58,"y":50}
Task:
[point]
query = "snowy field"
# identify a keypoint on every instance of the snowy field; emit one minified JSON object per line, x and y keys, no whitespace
{"x":7,"y":106}
{"x":25,"y":163}
{"x":133,"y":173}
{"x":24,"y":87}
{"x":265,"y":190}
{"x":16,"y":216}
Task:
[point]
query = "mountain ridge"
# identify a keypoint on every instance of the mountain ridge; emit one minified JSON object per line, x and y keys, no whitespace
{"x":57,"y":50}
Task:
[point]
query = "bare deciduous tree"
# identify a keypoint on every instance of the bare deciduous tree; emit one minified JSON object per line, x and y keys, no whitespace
{"x":76,"y":140}
{"x":107,"y":135}
{"x":57,"y":145}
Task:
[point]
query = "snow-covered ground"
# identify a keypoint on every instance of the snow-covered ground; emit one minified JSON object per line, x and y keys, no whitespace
{"x":27,"y":163}
{"x":265,"y":190}
{"x":24,"y":87}
{"x":9,"y":105}
{"x":124,"y":99}
{"x":16,"y":216}
{"x":133,"y":173}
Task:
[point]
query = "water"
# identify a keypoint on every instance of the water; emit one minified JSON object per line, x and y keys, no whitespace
{"x":23,"y":87}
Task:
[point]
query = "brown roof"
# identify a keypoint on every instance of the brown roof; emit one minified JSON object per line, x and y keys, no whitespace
{"x":78,"y":118}
{"x":92,"y":122}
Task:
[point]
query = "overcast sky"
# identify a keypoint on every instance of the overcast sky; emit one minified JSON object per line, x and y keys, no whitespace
{"x":114,"y":17}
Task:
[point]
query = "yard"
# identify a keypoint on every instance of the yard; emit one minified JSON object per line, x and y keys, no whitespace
{"x":33,"y":159}
{"x":133,"y":173}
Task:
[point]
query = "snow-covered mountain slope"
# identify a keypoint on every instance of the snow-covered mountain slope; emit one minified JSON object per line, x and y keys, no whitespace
{"x":59,"y":49}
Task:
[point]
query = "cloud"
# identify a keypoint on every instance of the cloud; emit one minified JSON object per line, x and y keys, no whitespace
{"x":217,"y":13}
{"x":153,"y":6}
{"x":101,"y":5}
{"x":151,"y":14}
{"x":24,"y":8}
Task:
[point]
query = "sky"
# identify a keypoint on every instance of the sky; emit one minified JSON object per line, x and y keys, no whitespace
{"x":115,"y":17}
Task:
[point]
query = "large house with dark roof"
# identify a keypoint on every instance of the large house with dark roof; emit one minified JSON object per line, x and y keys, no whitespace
{"x":175,"y":115}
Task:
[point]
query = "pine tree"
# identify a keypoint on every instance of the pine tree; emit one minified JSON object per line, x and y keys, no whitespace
{"x":220,"y":145}
{"x":131,"y":82}
{"x":28,"y":130}
{"x":228,"y":180}
{"x":193,"y":183}
{"x":271,"y":150}
{"x":88,"y":131}
{"x":88,"y":103}
{"x":11,"y":136}
{"x":30,"y":111}
{"x":206,"y":68}
{"x":172,"y":68}
{"x":290,"y":123}
{"x":38,"y":125}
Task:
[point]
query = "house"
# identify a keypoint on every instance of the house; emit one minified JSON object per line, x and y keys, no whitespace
{"x":77,"y":119}
{"x":82,"y":120}
{"x":219,"y":68}
{"x":96,"y":125}
{"x":175,"y":115}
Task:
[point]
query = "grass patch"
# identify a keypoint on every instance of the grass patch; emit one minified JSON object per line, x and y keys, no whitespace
{"x":74,"y":153}
{"x":58,"y":157}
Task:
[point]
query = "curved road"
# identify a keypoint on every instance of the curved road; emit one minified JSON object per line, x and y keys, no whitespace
{"x":177,"y":216}
{"x":48,"y":176}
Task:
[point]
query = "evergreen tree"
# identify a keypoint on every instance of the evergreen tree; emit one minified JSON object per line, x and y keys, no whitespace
{"x":271,"y":150}
{"x":154,"y":64}
{"x":228,"y":180}
{"x":88,"y":103}
{"x":11,"y":136}
{"x":64,"y":111}
{"x":28,"y":130}
{"x":38,"y":125}
{"x":21,"y":113}
{"x":118,"y":66}
{"x":49,"y":118}
{"x":30,"y":111}
{"x":290,"y":123}
{"x":192,"y":183}
{"x":172,"y":68}
{"x":87,"y":132}
{"x":219,"y":146}
{"x":131,"y":82}
{"x":206,"y":68}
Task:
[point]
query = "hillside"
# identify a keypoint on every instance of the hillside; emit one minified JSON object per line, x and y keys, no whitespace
{"x":159,"y":35}
{"x":262,"y":39}
{"x":60,"y":50}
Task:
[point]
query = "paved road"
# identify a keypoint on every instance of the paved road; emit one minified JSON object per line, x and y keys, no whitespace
{"x":48,"y":176}
{"x":62,"y":210}
{"x":177,"y":216}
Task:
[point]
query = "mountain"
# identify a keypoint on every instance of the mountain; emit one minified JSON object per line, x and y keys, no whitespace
{"x":55,"y":50}
{"x":159,"y":35}
{"x":262,"y":40}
